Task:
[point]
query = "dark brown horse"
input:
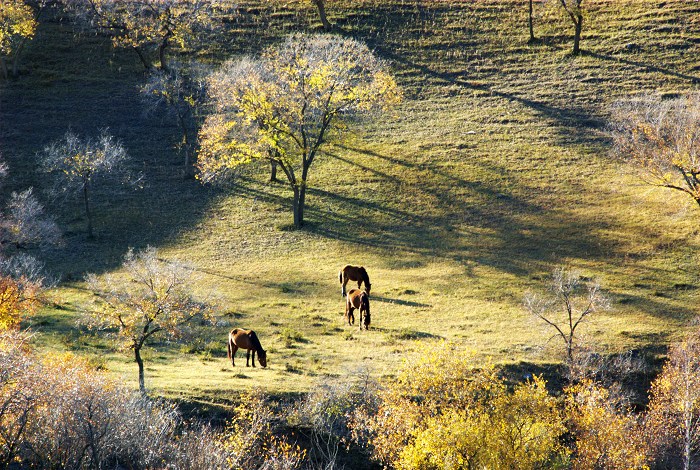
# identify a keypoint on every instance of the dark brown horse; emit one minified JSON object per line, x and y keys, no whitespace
{"x":357,"y":299}
{"x":246,"y":339}
{"x":354,"y":273}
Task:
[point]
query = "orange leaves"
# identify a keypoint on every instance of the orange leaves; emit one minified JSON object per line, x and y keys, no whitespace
{"x":18,"y":299}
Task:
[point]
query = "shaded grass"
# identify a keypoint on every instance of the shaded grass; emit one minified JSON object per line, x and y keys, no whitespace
{"x":492,"y":172}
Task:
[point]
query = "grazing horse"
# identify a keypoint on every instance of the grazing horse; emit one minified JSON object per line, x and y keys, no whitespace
{"x":353,"y":273}
{"x":246,"y":339}
{"x":357,"y":299}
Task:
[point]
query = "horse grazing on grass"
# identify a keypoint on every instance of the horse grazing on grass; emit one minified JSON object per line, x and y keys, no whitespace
{"x":246,"y":339}
{"x":357,"y":299}
{"x":354,"y":273}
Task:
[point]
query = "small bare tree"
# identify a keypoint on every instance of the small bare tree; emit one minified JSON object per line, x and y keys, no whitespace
{"x":661,"y":140}
{"x":154,"y":297}
{"x":567,"y":303}
{"x":574,"y":11}
{"x":78,"y":163}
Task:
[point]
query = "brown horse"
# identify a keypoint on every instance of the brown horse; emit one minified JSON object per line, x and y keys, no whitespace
{"x":357,"y":299}
{"x":354,"y":273}
{"x":246,"y":339}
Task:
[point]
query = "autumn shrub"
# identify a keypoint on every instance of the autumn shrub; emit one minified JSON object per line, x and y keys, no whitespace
{"x":253,"y":438}
{"x":673,"y":417}
{"x":442,"y":412}
{"x":607,"y":434}
{"x":57,"y":412}
{"x":324,"y":415}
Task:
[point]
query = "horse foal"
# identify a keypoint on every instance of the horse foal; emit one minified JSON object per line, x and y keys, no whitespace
{"x":359,"y":300}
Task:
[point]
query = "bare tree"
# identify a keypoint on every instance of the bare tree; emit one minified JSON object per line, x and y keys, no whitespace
{"x":574,"y":11}
{"x":78,"y":163}
{"x":661,"y":140}
{"x":288,"y":104}
{"x":155,"y":297}
{"x":568,"y":301}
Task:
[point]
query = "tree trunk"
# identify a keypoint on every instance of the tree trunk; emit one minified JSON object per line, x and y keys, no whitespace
{"x":529,"y":22}
{"x":320,"y":4}
{"x":298,"y":205}
{"x":188,"y":170}
{"x":161,"y":54}
{"x":578,"y":26}
{"x":88,"y":214}
{"x":3,"y":68}
{"x":139,"y":361}
{"x":143,"y":59}
{"x":273,"y":171}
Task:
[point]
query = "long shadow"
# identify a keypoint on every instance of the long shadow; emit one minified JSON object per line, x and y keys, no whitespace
{"x":648,"y":67}
{"x":82,"y":84}
{"x":577,"y":119}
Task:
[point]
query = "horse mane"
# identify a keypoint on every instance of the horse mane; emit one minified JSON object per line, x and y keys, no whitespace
{"x":256,"y":342}
{"x":364,"y":274}
{"x":364,"y":301}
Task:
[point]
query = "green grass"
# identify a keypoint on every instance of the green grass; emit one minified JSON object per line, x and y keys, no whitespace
{"x":492,"y":172}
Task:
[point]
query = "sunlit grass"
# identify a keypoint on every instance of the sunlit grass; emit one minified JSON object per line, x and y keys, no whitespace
{"x":492,"y":172}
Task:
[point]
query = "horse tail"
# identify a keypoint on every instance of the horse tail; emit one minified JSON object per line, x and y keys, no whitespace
{"x":340,"y":276}
{"x":230,"y":340}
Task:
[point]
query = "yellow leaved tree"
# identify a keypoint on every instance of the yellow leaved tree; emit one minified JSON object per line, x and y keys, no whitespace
{"x":147,"y":25}
{"x":289,"y":103}
{"x":17,"y":25}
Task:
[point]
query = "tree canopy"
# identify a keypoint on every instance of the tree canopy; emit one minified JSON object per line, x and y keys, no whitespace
{"x":286,"y":104}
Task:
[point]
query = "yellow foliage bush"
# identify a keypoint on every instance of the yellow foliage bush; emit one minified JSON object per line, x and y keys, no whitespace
{"x":443,"y":413}
{"x":605,"y":437}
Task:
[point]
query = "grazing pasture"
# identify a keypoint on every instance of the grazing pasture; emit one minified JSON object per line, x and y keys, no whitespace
{"x":494,"y":170}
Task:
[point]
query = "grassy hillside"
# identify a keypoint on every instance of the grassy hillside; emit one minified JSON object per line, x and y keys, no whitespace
{"x":492,"y":172}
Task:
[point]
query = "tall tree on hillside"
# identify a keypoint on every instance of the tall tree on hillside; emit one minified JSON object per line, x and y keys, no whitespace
{"x":287,"y":104}
{"x":661,"y":139}
{"x":147,"y":25}
{"x":17,"y":25}
{"x":575,"y":12}
{"x":78,"y":163}
{"x":154,"y":298}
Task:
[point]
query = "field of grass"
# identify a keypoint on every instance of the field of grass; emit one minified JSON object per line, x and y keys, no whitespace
{"x":493,"y":171}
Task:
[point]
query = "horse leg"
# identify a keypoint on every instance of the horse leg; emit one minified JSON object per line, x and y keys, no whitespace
{"x":247,"y":357}
{"x":253,"y":357}
{"x":234,"y":348}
